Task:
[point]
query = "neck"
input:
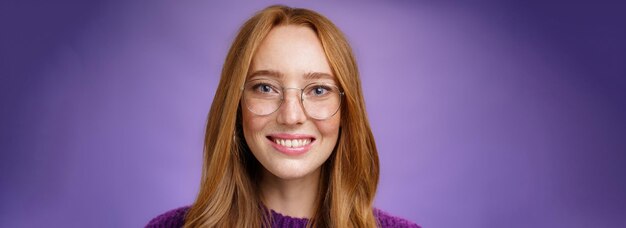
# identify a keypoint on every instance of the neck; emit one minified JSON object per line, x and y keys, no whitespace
{"x":294,"y":197}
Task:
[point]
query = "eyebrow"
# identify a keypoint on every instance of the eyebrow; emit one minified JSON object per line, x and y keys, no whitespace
{"x":308,"y":76}
{"x":317,"y":75}
{"x":270,"y":73}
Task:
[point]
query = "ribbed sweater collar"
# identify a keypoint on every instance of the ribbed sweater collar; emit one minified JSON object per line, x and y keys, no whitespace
{"x":280,"y":220}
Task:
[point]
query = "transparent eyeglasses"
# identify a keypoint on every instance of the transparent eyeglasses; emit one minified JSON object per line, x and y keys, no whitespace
{"x":319,"y":100}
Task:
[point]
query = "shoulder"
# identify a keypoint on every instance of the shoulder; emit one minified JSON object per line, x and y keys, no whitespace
{"x":385,"y":219}
{"x":172,"y":218}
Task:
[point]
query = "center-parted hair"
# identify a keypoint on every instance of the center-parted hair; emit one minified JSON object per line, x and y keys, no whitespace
{"x":229,"y":195}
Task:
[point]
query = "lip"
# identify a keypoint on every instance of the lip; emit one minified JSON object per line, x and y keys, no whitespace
{"x":288,"y":150}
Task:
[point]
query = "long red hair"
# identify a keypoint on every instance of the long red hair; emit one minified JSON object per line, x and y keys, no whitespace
{"x":228,"y":195}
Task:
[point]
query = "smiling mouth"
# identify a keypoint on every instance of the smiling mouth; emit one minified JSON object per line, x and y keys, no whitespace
{"x":291,"y":142}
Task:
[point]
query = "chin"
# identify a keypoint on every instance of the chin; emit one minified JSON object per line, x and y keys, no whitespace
{"x":291,"y":173}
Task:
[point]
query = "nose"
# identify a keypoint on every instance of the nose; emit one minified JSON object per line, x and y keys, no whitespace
{"x":291,"y":111}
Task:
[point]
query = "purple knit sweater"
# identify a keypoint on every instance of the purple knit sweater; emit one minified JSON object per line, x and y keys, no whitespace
{"x":176,"y":218}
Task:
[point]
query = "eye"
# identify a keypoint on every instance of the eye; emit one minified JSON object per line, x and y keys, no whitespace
{"x":319,"y":90}
{"x":264,"y":88}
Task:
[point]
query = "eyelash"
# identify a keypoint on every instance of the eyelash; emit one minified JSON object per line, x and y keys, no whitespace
{"x":276,"y":89}
{"x":326,"y":89}
{"x":258,"y":86}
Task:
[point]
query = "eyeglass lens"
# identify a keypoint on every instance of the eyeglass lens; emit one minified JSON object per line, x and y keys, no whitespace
{"x":319,"y":100}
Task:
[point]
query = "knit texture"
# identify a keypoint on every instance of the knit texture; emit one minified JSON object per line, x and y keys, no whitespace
{"x":176,"y":218}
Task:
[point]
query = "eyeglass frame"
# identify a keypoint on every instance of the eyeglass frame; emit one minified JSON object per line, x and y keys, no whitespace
{"x":282,"y":98}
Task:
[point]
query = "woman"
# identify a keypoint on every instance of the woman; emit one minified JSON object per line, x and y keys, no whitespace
{"x":288,"y":143}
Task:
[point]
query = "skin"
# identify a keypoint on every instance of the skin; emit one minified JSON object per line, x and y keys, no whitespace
{"x":289,"y":182}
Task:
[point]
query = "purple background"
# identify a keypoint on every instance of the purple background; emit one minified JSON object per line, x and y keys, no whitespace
{"x":485,"y":115}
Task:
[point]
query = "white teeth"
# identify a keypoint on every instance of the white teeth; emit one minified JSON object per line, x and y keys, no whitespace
{"x":292,"y":143}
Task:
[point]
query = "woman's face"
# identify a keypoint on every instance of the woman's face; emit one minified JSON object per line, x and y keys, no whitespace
{"x":289,"y":143}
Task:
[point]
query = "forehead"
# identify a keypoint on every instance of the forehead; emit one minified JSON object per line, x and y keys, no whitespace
{"x":291,"y":51}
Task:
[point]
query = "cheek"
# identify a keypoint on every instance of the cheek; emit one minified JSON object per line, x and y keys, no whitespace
{"x":330,"y":127}
{"x":251,"y":125}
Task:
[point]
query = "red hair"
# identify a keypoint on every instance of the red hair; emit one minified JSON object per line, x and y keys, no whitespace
{"x":228,"y":194}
